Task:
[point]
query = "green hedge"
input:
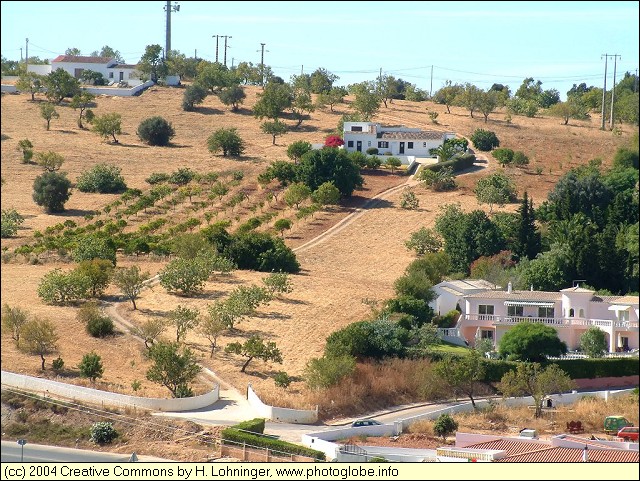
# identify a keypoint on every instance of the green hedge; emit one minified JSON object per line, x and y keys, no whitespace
{"x":458,"y":163}
{"x":233,"y":436}
{"x":255,"y":425}
{"x":575,"y":368}
{"x":594,"y":368}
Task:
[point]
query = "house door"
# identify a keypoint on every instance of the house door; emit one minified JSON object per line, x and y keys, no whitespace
{"x":121,"y":76}
{"x":402,"y":147}
{"x":359,"y":145}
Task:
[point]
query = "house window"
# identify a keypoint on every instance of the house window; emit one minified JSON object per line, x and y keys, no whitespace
{"x":624,"y":316}
{"x":369,"y":143}
{"x":484,"y":334}
{"x":515,"y":311}
{"x":424,"y":144}
{"x":546,"y":312}
{"x":485,"y":310}
{"x":581,"y":313}
{"x":350,"y":143}
{"x":110,"y":74}
{"x":356,"y":128}
{"x":409,"y":145}
{"x":572,"y":313}
{"x":383,"y":145}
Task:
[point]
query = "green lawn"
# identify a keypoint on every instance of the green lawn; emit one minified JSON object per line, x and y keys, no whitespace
{"x":446,"y":347}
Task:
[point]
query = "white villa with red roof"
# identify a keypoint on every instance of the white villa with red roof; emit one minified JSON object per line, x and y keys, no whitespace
{"x":489,"y":313}
{"x":110,"y":68}
{"x":395,"y":140}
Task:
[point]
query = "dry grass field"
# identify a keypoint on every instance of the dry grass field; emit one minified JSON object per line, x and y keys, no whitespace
{"x":360,"y":261}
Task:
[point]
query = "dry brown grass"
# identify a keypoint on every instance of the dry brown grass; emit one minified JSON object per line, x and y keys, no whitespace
{"x":361,"y":261}
{"x":500,"y":419}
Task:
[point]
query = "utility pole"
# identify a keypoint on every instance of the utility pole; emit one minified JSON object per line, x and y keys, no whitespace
{"x":302,"y":70}
{"x":604,"y":89}
{"x":225,"y":48}
{"x":380,"y":77}
{"x":431,"y":86}
{"x":21,"y":54}
{"x":216,"y":37}
{"x":262,"y":65}
{"x":232,"y":59}
{"x":26,"y":57}
{"x":195,"y":54}
{"x":169,"y":8}
{"x":635,"y":82}
{"x":613,"y":89}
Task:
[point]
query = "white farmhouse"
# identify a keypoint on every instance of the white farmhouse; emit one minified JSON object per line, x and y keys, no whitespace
{"x":392,"y":140}
{"x":111,"y":70}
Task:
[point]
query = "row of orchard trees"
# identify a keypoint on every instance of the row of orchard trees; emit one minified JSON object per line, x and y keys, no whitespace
{"x":530,"y":98}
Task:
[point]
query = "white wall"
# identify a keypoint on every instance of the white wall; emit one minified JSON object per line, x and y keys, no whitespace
{"x":322,"y":441}
{"x":39,"y":69}
{"x":118,"y":92}
{"x":285,"y":415}
{"x":47,"y":387}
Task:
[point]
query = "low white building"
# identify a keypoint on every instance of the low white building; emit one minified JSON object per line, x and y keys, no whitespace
{"x":394,"y":140}
{"x":111,"y":70}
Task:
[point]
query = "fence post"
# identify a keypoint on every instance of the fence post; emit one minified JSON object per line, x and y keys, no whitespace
{"x":244,"y":451}
{"x":267,"y":452}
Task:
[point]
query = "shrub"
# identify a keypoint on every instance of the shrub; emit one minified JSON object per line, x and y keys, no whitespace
{"x":282,"y":379}
{"x":11,"y":220}
{"x":193,"y":94}
{"x":519,"y":158}
{"x":182,"y":176}
{"x":327,"y":371}
{"x":234,"y":436}
{"x":156,"y":178}
{"x":51,"y":191}
{"x":103,"y":432}
{"x":59,"y":288}
{"x":91,"y":366}
{"x":102,"y":178}
{"x":485,"y":140}
{"x":100,"y":326}
{"x":444,"y":426}
{"x":57,"y":364}
{"x":155,"y":131}
{"x":333,"y":141}
{"x":226,"y":140}
{"x":372,"y":151}
{"x":503,"y":155}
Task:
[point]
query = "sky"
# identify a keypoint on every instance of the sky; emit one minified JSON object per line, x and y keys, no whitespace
{"x":423,"y":43}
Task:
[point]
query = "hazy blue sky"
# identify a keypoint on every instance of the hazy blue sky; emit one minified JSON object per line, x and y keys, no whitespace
{"x":559,"y":43}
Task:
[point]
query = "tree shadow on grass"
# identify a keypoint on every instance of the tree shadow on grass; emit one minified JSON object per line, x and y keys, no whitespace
{"x":208,"y":111}
{"x":73,"y":213}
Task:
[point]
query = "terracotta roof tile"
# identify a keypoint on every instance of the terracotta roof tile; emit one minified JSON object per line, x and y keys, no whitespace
{"x":574,"y":455}
{"x":512,"y":446}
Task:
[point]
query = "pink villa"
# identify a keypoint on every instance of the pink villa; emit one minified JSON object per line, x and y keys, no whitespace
{"x":488,"y":313}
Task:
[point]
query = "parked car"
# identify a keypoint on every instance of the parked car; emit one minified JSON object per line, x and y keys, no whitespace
{"x":365,"y":422}
{"x":629,"y":433}
{"x":613,"y":424}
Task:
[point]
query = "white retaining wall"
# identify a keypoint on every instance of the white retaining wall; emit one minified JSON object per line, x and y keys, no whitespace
{"x":322,"y":441}
{"x":285,"y":415}
{"x":79,"y":393}
{"x":9,"y":88}
{"x":118,"y":92}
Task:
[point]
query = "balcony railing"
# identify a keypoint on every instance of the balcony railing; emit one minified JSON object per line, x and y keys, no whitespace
{"x":489,"y":320}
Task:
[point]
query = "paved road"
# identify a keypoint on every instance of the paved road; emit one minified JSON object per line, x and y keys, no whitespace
{"x":38,"y":453}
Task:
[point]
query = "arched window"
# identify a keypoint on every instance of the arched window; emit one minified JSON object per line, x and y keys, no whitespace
{"x":581,"y":313}
{"x":571,"y":312}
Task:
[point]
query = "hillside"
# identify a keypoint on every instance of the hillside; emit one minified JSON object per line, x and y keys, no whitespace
{"x":360,"y":261}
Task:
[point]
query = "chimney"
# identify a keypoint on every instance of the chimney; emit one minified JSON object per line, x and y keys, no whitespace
{"x":509,"y":287}
{"x":531,"y":287}
{"x":585,"y":454}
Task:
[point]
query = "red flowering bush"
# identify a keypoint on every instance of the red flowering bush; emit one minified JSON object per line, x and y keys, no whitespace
{"x":333,"y":141}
